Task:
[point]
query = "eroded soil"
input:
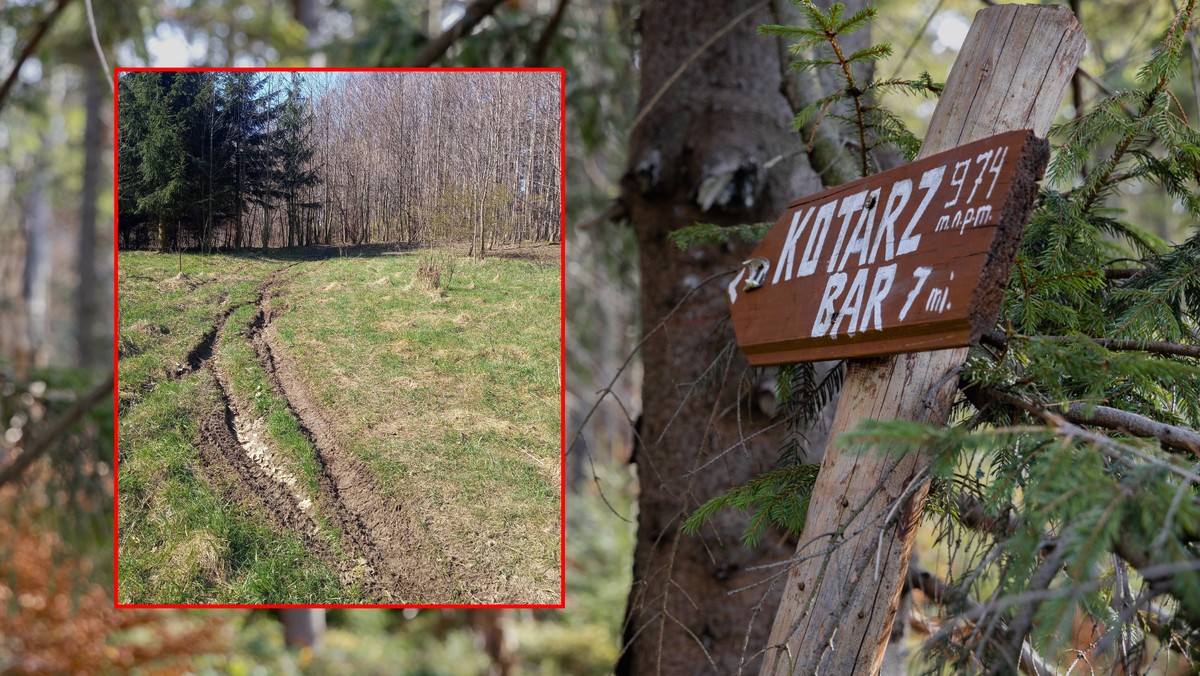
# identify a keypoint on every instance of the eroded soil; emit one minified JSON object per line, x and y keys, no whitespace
{"x":238,"y":459}
{"x":414,"y":568}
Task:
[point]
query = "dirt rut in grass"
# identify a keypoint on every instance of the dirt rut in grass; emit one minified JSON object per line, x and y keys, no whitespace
{"x":420,"y":570}
{"x":239,"y":462}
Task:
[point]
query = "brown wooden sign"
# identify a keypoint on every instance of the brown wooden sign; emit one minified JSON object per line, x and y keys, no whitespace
{"x":911,"y":259}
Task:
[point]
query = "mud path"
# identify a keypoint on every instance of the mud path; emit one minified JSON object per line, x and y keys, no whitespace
{"x":239,"y":462}
{"x":199,"y":355}
{"x":243,"y":468}
{"x":416,"y":571}
{"x":377,"y":548}
{"x":232,"y":470}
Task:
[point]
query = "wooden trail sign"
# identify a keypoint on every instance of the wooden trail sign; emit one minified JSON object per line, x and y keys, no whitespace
{"x":911,"y":259}
{"x":842,"y":592}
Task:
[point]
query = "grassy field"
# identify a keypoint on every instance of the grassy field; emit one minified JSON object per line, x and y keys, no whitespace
{"x":306,"y":428}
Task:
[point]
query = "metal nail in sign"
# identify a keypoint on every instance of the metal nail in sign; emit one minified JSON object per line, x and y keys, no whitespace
{"x":915,"y":258}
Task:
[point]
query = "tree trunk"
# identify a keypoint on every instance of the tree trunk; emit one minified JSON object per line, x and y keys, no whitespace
{"x":93,"y":149}
{"x":266,"y":231}
{"x":164,"y":236}
{"x":303,"y":627}
{"x":721,"y":120}
{"x":838,"y":608}
{"x":241,"y":207}
{"x":35,"y":288}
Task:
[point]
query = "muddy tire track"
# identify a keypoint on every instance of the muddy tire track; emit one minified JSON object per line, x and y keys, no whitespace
{"x":196,"y":357}
{"x":248,"y":478}
{"x":199,"y":355}
{"x":224,"y":450}
{"x":354,"y":498}
{"x":229,"y":465}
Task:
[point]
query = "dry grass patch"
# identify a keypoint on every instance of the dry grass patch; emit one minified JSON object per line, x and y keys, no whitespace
{"x":149,"y":328}
{"x":127,"y":348}
{"x":199,"y":556}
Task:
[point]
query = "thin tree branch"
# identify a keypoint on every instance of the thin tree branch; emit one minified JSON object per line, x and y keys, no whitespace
{"x":538,"y":56}
{"x":1121,"y":452}
{"x":973,"y":515}
{"x":1022,"y":622}
{"x":607,"y":390}
{"x":938,"y":591}
{"x":38,"y":33}
{"x":1156,"y":346}
{"x":1000,"y":341}
{"x":917,"y":38}
{"x":36,"y":449}
{"x":1121,"y":273}
{"x":1170,"y":436}
{"x":975,"y":614}
{"x":437,"y":47}
{"x":91,"y":17}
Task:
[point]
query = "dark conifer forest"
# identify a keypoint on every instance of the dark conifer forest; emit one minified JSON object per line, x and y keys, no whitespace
{"x":238,"y":159}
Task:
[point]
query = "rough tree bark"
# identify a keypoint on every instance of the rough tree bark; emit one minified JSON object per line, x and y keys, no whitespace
{"x":713,"y":117}
{"x":838,"y":607}
{"x":93,"y":148}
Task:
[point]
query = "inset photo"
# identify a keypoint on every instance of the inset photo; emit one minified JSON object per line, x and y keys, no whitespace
{"x":339,"y":307}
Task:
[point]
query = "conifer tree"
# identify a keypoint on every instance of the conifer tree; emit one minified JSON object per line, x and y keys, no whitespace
{"x":248,"y":110}
{"x":294,"y":149}
{"x":166,"y":181}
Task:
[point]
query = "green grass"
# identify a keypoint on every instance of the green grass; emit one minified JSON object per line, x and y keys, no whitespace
{"x":162,"y":318}
{"x":180,"y":541}
{"x":451,"y":399}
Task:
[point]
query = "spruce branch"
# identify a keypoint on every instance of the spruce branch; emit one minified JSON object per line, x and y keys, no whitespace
{"x":999,"y":340}
{"x":942,"y":593}
{"x":855,"y":93}
{"x":1112,"y":448}
{"x":872,"y":124}
{"x":1161,"y":68}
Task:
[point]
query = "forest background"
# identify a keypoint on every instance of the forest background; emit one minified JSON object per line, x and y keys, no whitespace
{"x":55,"y":142}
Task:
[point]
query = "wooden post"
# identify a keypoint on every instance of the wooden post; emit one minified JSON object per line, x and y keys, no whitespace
{"x":841,"y":596}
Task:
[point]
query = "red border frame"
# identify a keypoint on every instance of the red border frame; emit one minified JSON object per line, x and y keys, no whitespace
{"x":562,"y":294}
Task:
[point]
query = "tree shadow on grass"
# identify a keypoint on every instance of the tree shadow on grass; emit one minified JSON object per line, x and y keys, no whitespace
{"x":317,"y":252}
